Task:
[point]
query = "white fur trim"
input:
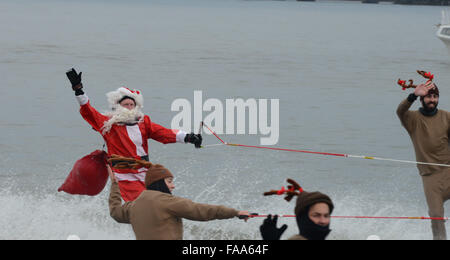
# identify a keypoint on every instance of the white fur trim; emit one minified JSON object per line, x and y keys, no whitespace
{"x":180,"y":136}
{"x":114,"y":97}
{"x":82,"y":99}
{"x":136,"y":137}
{"x":132,"y":176}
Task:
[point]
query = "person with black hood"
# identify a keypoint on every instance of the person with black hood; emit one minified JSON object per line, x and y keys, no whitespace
{"x":156,"y":214}
{"x":312,"y":211}
{"x":429,"y":129}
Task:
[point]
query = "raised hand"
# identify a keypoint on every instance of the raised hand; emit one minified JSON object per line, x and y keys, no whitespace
{"x":422,"y":89}
{"x":269,"y":230}
{"x":75,"y":79}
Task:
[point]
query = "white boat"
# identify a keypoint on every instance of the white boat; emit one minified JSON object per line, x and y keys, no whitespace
{"x":443,"y":31}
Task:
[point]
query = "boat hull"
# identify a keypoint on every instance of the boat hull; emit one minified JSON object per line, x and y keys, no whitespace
{"x":444,"y":35}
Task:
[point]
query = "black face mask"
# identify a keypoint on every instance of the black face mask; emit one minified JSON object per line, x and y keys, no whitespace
{"x":159,"y":186}
{"x":310,"y":230}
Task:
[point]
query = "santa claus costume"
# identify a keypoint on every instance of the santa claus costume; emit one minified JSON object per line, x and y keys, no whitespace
{"x":126,"y":132}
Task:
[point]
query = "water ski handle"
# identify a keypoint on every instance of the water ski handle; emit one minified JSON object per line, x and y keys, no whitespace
{"x":248,"y":216}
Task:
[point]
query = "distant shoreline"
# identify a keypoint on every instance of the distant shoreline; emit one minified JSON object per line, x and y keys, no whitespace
{"x":399,"y":2}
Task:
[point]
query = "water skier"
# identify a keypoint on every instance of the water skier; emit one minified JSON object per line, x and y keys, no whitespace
{"x":429,"y":129}
{"x":157,"y":214}
{"x":312,"y":211}
{"x":125,"y":130}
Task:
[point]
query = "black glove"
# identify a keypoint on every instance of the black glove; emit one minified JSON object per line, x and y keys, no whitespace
{"x":75,"y":79}
{"x":269,"y":230}
{"x":194,"y":139}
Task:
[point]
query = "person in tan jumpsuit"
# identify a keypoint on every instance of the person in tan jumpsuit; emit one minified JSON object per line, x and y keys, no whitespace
{"x":429,"y":129}
{"x":156,"y":214}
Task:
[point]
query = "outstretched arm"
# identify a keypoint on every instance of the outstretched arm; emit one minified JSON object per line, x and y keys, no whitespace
{"x":185,"y":208}
{"x":166,"y":136}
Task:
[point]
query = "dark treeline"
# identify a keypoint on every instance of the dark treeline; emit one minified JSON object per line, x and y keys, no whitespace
{"x":401,"y":2}
{"x":422,"y":2}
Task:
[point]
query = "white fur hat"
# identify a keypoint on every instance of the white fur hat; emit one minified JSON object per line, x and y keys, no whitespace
{"x":115,"y":96}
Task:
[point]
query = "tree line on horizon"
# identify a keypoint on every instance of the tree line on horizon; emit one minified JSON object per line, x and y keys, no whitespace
{"x":401,"y":2}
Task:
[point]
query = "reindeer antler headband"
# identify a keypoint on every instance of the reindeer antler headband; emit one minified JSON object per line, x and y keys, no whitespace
{"x":424,"y":74}
{"x":293,"y":190}
{"x":121,"y":162}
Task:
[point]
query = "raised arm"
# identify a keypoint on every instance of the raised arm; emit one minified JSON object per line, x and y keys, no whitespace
{"x":404,"y":106}
{"x":403,"y":112}
{"x":406,"y":116}
{"x":89,"y":113}
{"x":119,"y":212}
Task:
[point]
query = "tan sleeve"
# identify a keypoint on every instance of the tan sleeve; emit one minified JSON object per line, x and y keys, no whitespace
{"x":448,"y":132}
{"x":185,"y":208}
{"x":405,"y":115}
{"x":119,"y":212}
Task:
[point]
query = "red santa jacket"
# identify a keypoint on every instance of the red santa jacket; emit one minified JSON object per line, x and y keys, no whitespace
{"x":129,"y":141}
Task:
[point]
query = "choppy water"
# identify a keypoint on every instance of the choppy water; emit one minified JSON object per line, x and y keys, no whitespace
{"x":332,"y":65}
